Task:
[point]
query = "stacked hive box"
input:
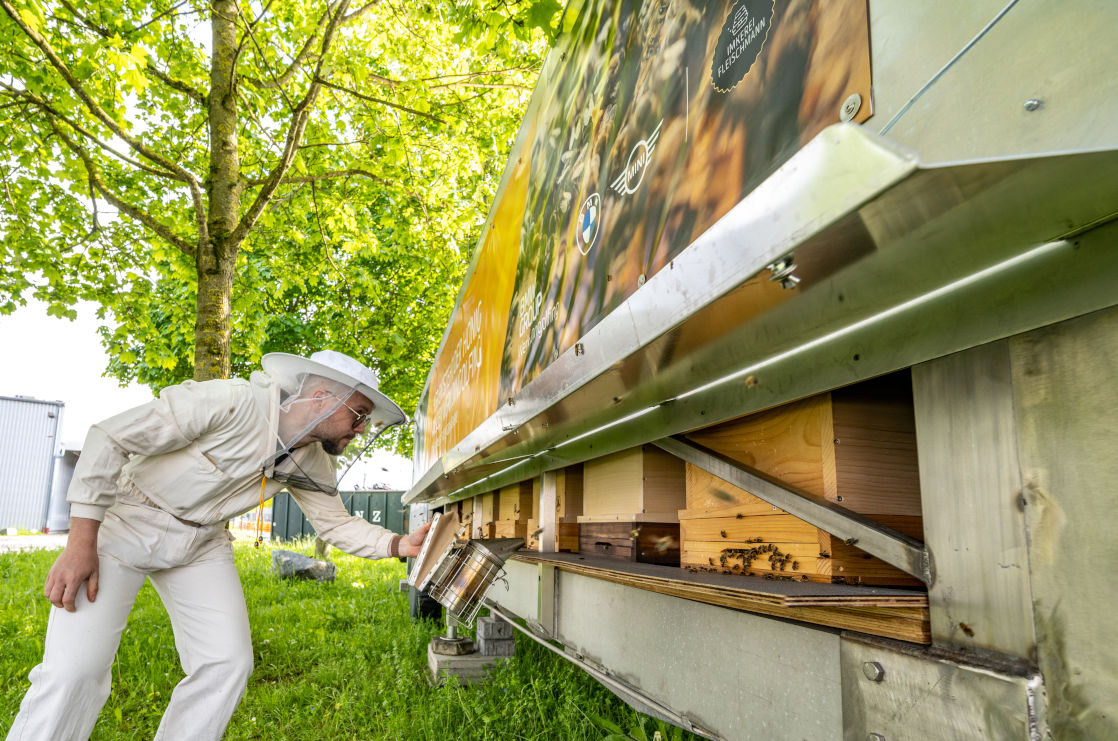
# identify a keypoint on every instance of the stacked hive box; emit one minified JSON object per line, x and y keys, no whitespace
{"x":511,"y":512}
{"x":516,"y":510}
{"x":568,"y":507}
{"x":483,"y":524}
{"x":630,"y":506}
{"x":855,"y":447}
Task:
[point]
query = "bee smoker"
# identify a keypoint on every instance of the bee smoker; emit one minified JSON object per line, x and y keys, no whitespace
{"x":460,"y":577}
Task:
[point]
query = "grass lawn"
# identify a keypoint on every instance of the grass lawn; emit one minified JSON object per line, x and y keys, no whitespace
{"x":333,"y":661}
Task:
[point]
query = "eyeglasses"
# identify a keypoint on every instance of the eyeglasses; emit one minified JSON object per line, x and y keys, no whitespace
{"x":360,"y":418}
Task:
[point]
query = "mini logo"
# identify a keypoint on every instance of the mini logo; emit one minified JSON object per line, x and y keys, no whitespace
{"x":743,"y":36}
{"x":628,"y":181}
{"x":589,"y":217}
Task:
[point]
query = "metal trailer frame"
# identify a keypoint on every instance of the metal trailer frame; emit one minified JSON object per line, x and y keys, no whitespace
{"x":987,"y":264}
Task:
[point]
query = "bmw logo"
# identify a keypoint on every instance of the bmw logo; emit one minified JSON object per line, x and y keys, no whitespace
{"x":589,"y":218}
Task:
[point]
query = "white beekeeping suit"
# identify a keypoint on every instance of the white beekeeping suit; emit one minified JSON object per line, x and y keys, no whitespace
{"x":155,"y":485}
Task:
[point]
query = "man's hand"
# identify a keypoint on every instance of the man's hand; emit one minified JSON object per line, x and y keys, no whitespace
{"x":76,"y":566}
{"x":411,"y":544}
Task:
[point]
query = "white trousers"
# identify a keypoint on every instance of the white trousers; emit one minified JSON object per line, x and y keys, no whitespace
{"x":193,"y":572}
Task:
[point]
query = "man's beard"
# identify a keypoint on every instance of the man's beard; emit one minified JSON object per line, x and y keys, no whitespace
{"x":334,"y":447}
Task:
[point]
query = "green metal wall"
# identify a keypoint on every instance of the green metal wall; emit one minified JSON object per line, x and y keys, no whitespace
{"x":382,"y":508}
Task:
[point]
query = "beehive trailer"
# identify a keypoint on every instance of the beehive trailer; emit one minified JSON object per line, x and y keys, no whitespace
{"x":831,"y":289}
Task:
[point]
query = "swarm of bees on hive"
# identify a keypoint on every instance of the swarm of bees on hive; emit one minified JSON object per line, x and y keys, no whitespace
{"x":740,"y":561}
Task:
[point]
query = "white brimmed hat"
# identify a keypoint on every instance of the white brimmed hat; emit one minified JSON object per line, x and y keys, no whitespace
{"x":289,"y":370}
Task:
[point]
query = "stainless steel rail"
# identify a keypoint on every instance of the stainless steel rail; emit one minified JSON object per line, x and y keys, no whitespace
{"x":630,"y":694}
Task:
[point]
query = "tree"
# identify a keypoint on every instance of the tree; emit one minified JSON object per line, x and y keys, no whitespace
{"x":303,"y":175}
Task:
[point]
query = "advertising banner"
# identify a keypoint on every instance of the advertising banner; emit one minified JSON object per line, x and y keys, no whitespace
{"x":649,"y":122}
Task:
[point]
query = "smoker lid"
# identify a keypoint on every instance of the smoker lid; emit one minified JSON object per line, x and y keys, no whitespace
{"x":499,"y":548}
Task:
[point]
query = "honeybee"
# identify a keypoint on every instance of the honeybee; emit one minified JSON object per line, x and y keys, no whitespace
{"x":723,"y":533}
{"x":725,"y":496}
{"x":664,"y":543}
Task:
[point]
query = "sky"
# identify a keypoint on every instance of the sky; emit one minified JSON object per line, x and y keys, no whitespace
{"x":60,"y":360}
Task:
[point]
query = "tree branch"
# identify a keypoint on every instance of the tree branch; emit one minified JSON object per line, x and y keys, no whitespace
{"x":296,"y":63}
{"x":138,"y":214}
{"x":183,"y":87}
{"x":312,"y":145}
{"x":361,"y":11}
{"x":50,"y":110}
{"x":324,"y":176}
{"x":322,"y":235}
{"x":483,"y":73}
{"x":490,"y":85}
{"x":298,"y":124}
{"x":372,"y":99}
{"x":89,"y":102}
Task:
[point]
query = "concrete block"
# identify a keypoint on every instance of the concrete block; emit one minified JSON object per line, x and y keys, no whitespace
{"x":504,"y":647}
{"x":467,"y":669}
{"x":493,"y":627}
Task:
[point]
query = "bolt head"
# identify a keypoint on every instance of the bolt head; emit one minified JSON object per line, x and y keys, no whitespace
{"x":850,"y":107}
{"x":874,"y":671}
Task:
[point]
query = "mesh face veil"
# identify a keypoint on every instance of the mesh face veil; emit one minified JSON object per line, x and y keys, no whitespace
{"x":301,"y":413}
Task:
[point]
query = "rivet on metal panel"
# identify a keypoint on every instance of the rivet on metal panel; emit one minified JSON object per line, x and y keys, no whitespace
{"x":850,"y":107}
{"x":873,"y":671}
{"x":1033,"y":104}
{"x":640,"y":280}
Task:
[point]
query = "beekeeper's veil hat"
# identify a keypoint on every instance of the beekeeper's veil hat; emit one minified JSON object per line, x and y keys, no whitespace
{"x":291,"y":371}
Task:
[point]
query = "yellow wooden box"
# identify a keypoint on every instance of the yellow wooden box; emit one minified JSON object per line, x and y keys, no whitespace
{"x":642,"y":484}
{"x":854,"y":446}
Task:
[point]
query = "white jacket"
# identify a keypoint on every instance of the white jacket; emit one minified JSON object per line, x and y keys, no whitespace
{"x":197,"y":452}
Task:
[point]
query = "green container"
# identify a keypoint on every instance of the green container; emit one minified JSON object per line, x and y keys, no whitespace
{"x":384,"y":508}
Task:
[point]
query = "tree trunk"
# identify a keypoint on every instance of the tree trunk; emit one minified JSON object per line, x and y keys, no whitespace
{"x":217,"y":253}
{"x":212,"y":327}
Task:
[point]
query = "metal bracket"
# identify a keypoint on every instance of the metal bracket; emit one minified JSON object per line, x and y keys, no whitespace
{"x":892,"y":547}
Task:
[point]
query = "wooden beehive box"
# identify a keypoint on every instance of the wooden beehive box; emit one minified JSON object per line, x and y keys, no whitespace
{"x":484,"y":519}
{"x":854,"y":446}
{"x":630,"y":506}
{"x":646,"y":542}
{"x":464,"y":509}
{"x":515,"y":507}
{"x":642,"y":484}
{"x":568,"y":507}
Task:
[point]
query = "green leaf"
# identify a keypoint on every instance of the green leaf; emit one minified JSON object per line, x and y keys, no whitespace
{"x":607,"y":724}
{"x":542,"y":13}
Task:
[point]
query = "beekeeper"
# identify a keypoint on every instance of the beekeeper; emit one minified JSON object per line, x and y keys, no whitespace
{"x":150,"y":496}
